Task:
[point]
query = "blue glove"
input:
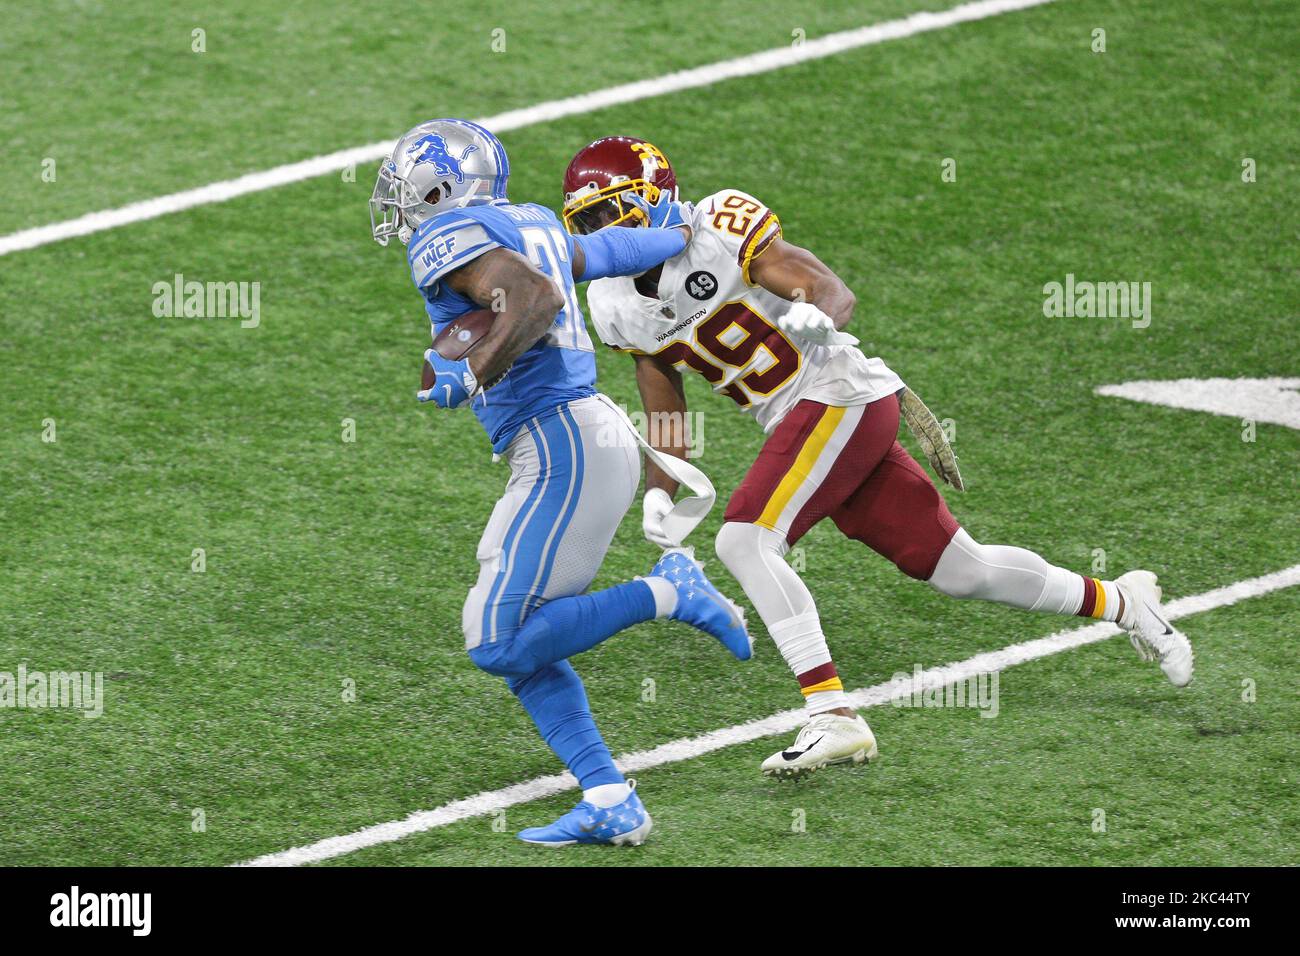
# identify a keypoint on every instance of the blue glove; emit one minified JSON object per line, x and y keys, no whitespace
{"x":454,"y":382}
{"x":667,"y":213}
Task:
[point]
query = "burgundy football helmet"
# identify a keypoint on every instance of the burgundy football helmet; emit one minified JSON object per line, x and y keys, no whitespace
{"x":601,"y":173}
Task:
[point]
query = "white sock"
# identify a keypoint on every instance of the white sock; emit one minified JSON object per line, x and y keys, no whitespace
{"x":665,"y":595}
{"x":1107,"y":608}
{"x":756,"y":557}
{"x":803,"y":645}
{"x":607,"y":795}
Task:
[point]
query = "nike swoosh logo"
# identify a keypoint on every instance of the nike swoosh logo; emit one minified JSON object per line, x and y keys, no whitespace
{"x":1156,"y":613}
{"x":796,"y":754}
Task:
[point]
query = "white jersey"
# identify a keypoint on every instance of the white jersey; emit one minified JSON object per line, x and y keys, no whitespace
{"x":708,"y":317}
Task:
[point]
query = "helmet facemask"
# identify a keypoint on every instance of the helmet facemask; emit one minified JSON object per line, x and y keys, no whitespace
{"x":386,"y":204}
{"x":592,"y":207}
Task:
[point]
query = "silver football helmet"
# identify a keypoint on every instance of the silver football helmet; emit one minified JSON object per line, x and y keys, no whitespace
{"x":442,"y":164}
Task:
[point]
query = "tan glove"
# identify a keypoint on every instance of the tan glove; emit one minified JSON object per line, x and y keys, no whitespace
{"x":927,"y":430}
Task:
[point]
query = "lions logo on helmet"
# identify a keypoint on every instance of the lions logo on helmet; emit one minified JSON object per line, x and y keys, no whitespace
{"x":433,"y":149}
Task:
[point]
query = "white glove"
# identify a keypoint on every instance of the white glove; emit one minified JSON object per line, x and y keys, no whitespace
{"x":654,"y":507}
{"x":808,"y":322}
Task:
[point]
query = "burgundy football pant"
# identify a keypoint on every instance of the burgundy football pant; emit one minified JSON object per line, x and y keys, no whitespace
{"x":846,"y":464}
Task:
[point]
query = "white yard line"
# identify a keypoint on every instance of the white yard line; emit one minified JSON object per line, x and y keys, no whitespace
{"x":781,"y":723}
{"x":1272,"y":400}
{"x":516,"y":119}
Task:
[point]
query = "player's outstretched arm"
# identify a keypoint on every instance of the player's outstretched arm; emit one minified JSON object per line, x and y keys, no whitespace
{"x":664,"y":400}
{"x":502,"y":277}
{"x":617,"y":251}
{"x":796,"y":274}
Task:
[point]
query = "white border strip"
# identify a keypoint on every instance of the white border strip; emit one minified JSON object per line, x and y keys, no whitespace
{"x":763,"y":62}
{"x":783,"y":722}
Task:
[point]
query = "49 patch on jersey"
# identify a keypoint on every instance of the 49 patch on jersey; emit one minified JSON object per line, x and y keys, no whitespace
{"x":701,"y":285}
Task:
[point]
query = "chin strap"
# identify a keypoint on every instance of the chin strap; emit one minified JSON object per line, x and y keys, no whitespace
{"x":690,"y":511}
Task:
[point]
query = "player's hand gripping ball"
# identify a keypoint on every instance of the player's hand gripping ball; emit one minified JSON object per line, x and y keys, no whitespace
{"x":446,"y":378}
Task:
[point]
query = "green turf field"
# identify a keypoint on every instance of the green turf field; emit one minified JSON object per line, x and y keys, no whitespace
{"x":333,"y":564}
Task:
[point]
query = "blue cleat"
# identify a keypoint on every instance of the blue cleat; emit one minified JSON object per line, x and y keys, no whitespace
{"x":626,"y":824}
{"x":701,"y":605}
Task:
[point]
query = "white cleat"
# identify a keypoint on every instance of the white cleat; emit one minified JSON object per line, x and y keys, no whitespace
{"x":826,"y":739}
{"x":1153,"y":637}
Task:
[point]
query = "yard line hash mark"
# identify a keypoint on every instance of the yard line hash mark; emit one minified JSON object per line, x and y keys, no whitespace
{"x":784,"y":722}
{"x":693,"y":78}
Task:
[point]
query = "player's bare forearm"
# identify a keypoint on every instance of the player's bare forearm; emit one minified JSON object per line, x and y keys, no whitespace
{"x":794,"y":273}
{"x":527,"y":301}
{"x":662,"y":395}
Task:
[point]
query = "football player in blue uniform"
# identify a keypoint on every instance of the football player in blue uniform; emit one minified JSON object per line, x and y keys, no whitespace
{"x":531,"y":382}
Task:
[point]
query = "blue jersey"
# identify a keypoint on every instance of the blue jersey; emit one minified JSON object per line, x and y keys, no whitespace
{"x":561,"y":366}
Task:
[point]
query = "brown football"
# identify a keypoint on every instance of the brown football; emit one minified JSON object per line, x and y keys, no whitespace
{"x":457,"y":339}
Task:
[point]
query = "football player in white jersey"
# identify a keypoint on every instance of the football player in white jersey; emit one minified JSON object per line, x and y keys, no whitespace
{"x":763,"y":321}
